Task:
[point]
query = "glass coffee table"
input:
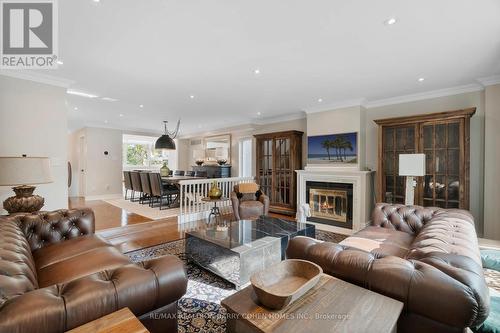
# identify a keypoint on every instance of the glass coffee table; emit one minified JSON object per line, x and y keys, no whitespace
{"x":236,"y":250}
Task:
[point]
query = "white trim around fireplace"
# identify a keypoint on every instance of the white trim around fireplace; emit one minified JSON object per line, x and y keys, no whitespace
{"x":362,"y":194}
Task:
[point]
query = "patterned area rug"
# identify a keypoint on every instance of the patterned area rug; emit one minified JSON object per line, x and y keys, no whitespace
{"x":200,"y":309}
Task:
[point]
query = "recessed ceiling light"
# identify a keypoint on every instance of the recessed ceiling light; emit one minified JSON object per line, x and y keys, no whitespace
{"x":422,"y":79}
{"x":109,"y":99}
{"x":257,"y":71}
{"x":121,"y":114}
{"x":75,"y":108}
{"x":141,"y":106}
{"x":259,"y":113}
{"x":80,"y":93}
{"x":191,"y":96}
{"x":59,"y":62}
{"x":320,"y":100}
{"x":390,"y":21}
{"x":105,"y":121}
{"x":96,"y":0}
{"x":199,"y":126}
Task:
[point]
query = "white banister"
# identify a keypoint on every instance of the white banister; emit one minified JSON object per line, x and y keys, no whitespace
{"x":192,"y":208}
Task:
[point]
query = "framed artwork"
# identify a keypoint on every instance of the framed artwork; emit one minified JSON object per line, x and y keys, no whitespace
{"x":333,"y":148}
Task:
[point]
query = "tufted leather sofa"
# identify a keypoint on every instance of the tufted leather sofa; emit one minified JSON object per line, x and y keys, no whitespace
{"x":56,"y":274}
{"x":428,"y":258}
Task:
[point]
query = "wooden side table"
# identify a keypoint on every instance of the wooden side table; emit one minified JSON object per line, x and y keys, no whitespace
{"x":332,"y":305}
{"x":122,"y":321}
{"x":215,"y":210}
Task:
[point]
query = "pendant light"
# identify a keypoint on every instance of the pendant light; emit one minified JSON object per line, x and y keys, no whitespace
{"x":166,"y":141}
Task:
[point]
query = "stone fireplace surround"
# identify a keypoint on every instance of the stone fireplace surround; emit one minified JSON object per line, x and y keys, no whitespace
{"x":362,"y":193}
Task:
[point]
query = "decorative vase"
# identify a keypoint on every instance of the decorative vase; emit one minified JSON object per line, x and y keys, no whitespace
{"x":215,"y":192}
{"x":222,"y":161}
{"x":199,"y":162}
{"x":164,"y":170}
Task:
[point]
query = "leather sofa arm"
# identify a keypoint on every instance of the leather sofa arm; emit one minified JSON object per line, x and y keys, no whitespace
{"x":265,"y":201}
{"x":434,"y":289}
{"x":44,"y":228}
{"x":140,"y":287}
{"x":236,"y":205}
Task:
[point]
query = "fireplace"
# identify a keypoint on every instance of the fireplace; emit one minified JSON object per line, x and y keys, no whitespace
{"x":330,"y":203}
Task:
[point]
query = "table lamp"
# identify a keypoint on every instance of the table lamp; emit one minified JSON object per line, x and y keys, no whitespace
{"x":23,"y":173}
{"x":410,"y":166}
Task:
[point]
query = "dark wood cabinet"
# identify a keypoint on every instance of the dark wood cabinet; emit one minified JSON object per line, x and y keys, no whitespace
{"x":278,"y":156}
{"x":444,"y":139}
{"x":214,"y":171}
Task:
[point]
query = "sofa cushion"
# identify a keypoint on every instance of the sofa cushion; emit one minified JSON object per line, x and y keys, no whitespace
{"x":72,"y":268}
{"x":57,"y":252}
{"x":448,"y":232}
{"x":380,"y":242}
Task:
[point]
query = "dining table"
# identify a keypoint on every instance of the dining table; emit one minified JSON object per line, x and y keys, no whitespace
{"x":174,"y":180}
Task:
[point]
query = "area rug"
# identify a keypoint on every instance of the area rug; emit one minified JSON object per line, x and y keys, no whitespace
{"x":199,"y":309}
{"x":143,"y":210}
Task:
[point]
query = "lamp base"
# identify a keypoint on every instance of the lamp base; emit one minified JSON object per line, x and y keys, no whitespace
{"x":24,"y":201}
{"x":410,"y":192}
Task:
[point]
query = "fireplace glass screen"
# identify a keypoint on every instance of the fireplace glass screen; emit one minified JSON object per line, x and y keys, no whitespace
{"x":330,"y":203}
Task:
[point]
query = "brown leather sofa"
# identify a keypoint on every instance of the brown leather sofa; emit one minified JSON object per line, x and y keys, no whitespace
{"x":248,"y":206}
{"x":428,"y":258}
{"x":56,"y":274}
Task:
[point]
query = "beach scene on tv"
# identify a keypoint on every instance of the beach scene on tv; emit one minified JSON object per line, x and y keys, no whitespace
{"x":333,"y":148}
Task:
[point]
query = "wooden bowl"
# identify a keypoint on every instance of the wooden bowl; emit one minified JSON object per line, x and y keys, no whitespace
{"x":284,"y":283}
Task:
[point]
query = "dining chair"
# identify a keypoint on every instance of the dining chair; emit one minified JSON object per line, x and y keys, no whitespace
{"x":179,"y":173}
{"x":136,"y":185}
{"x":146,"y":187}
{"x":190,"y":173}
{"x":159,"y":191}
{"x":127,"y":183}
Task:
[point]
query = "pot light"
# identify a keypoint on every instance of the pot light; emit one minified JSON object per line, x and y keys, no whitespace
{"x":105,"y":121}
{"x":257,"y":71}
{"x":75,"y":108}
{"x":320,"y":100}
{"x":191,"y":96}
{"x":80,"y":93}
{"x":141,"y":106}
{"x":109,"y":99}
{"x":96,"y":1}
{"x":391,"y":21}
{"x":121,"y":114}
{"x":422,"y":79}
{"x":259,"y":113}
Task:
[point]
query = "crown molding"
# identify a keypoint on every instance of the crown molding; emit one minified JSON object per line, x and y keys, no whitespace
{"x":489,"y":80}
{"x":334,"y":106}
{"x":37,"y":77}
{"x":281,"y":118}
{"x":424,"y":95}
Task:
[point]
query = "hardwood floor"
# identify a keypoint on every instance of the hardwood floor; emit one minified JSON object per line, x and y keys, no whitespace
{"x":129,"y":231}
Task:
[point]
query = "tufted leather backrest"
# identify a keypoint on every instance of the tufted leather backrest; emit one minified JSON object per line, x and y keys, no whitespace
{"x":409,"y":219}
{"x":17,"y":267}
{"x":44,"y":228}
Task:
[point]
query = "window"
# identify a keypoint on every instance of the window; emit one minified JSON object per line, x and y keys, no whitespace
{"x":245,"y":158}
{"x":139,"y":152}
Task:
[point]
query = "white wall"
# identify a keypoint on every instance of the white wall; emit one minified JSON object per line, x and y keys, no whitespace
{"x":491,"y":163}
{"x":103,"y":173}
{"x":33,"y":121}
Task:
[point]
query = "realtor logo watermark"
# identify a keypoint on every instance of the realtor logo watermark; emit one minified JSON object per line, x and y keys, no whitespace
{"x":28,"y":34}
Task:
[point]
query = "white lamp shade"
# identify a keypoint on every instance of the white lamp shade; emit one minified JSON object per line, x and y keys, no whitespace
{"x":16,"y":171}
{"x":412,"y":165}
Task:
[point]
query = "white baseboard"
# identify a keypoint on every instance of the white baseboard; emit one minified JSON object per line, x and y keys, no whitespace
{"x":103,"y":196}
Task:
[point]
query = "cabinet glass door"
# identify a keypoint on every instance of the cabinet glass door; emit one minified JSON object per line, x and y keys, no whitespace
{"x":265,"y":171}
{"x":396,"y":140}
{"x":283,"y":173}
{"x":441,"y":146}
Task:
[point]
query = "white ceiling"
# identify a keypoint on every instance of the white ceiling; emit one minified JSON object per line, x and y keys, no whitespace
{"x":159,"y":52}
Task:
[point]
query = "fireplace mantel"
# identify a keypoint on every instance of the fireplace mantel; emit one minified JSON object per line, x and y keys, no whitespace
{"x":362,"y":193}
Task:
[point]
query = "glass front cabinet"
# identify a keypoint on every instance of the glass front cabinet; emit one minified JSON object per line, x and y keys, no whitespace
{"x":278,"y":156}
{"x":444,"y":139}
